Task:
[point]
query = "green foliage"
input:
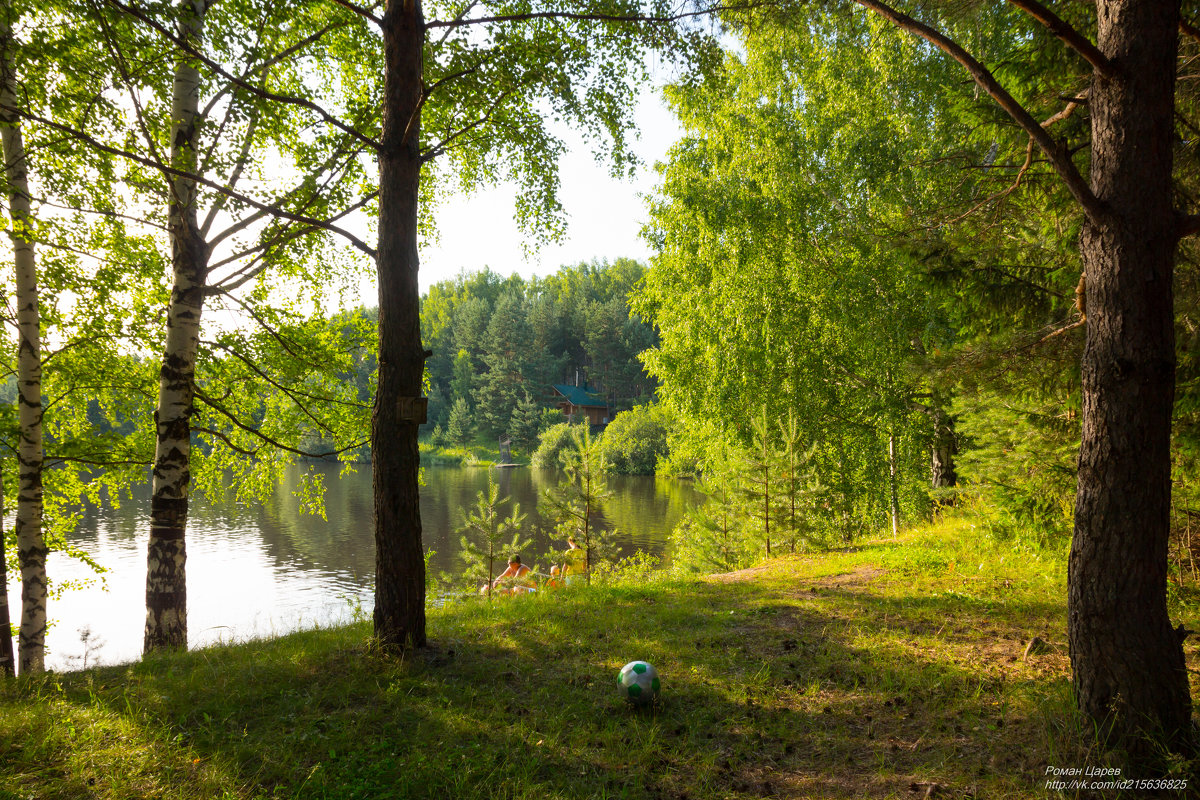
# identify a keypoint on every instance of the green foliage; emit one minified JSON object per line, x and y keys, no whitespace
{"x":496,"y":340}
{"x":553,"y":442}
{"x":712,"y":537}
{"x":760,"y":501}
{"x":575,"y":503}
{"x":461,"y":426}
{"x":486,"y":540}
{"x":526,"y":424}
{"x":1019,"y":467}
{"x":634,"y":442}
{"x":773,"y":285}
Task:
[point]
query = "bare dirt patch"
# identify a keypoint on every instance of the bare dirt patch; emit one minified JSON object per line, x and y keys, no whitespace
{"x":856,"y":577}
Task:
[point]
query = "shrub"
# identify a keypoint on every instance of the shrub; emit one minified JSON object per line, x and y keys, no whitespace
{"x":552,"y":442}
{"x":634,"y":442}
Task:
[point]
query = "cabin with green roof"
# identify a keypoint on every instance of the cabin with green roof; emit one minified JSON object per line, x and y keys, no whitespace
{"x":579,"y":404}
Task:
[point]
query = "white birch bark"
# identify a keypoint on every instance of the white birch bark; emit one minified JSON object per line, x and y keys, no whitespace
{"x":893,"y":498}
{"x":30,"y":539}
{"x":8,"y":663}
{"x":166,"y":558}
{"x":31,"y":543}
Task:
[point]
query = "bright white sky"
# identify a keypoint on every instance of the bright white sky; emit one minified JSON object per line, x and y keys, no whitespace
{"x":605,"y":216}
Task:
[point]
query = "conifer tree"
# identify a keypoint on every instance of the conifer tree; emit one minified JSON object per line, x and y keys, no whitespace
{"x":797,"y":489}
{"x":714,"y":534}
{"x":484,"y":533}
{"x":575,"y":503}
{"x":461,"y":426}
{"x":760,"y":479}
{"x":525,"y":424}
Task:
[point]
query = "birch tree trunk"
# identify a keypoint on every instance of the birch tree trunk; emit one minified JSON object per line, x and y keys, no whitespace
{"x":943,"y":474}
{"x":399,"y":616}
{"x":31,"y":543}
{"x":8,"y":664}
{"x":166,"y":557}
{"x":893,"y":496}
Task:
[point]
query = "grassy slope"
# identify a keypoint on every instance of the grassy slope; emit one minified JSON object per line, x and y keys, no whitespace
{"x":872,"y":673}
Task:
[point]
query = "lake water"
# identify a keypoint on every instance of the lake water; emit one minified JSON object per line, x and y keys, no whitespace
{"x":271,"y":569}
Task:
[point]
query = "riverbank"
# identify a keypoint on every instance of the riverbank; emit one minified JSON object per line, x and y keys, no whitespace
{"x":877,"y":672}
{"x":469,"y":455}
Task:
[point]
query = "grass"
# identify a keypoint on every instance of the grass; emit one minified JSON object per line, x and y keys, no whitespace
{"x":474,"y":454}
{"x":893,"y":669}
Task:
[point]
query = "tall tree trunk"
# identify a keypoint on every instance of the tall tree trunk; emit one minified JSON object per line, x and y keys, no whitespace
{"x":8,"y":664}
{"x":31,"y":542}
{"x":943,"y":473}
{"x":166,"y":556}
{"x":399,"y":560}
{"x":893,"y":492}
{"x":1128,"y":664}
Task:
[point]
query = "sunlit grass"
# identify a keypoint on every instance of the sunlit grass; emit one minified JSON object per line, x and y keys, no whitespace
{"x":863,"y":673}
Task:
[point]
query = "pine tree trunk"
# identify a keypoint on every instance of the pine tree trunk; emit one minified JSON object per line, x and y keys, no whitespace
{"x":166,"y":556}
{"x":1128,"y":664}
{"x":31,"y":542}
{"x":399,"y":559}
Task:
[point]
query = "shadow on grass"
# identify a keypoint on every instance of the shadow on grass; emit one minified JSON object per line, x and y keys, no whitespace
{"x":842,"y":694}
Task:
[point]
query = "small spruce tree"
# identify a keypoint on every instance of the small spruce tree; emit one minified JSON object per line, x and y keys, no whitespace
{"x":575,"y":502}
{"x":484,"y":534}
{"x":525,"y":424}
{"x":713,"y":535}
{"x":460,"y":427}
{"x":758,"y":490}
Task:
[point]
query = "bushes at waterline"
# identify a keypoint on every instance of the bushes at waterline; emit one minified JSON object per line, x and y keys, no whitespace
{"x":553,"y":441}
{"x":634,"y":442}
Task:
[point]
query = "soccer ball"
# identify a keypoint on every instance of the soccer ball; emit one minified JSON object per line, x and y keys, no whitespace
{"x":638,"y":682}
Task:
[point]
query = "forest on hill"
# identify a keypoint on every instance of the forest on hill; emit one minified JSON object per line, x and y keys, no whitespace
{"x":499,"y":345}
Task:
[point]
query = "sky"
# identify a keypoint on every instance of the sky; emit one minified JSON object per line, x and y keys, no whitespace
{"x":605,"y":215}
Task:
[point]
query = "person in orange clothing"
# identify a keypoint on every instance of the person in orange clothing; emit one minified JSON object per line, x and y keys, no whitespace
{"x":515,"y":579}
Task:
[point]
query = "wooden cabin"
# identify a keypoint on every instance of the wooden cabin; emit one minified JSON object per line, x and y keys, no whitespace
{"x":578,"y":404}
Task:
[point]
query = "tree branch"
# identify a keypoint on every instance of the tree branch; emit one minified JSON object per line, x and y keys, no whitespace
{"x":1190,"y":30}
{"x":440,"y":148}
{"x":237,"y":423}
{"x":283,"y":236}
{"x":100,"y":212}
{"x":1071,"y":37}
{"x":1058,"y":156}
{"x":272,"y":210}
{"x":357,"y":9}
{"x":585,"y":17}
{"x":247,"y":221}
{"x":241,"y":83}
{"x":236,"y":174}
{"x":253,"y":313}
{"x":292,"y":394}
{"x":52,"y":459}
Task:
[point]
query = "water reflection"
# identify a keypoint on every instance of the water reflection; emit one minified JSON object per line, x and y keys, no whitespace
{"x":265,"y":570}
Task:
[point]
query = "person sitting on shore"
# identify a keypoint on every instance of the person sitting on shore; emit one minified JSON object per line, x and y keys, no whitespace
{"x":515,"y":576}
{"x":574,"y":568}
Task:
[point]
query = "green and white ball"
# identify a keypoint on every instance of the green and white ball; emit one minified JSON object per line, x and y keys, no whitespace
{"x":638,"y":682}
